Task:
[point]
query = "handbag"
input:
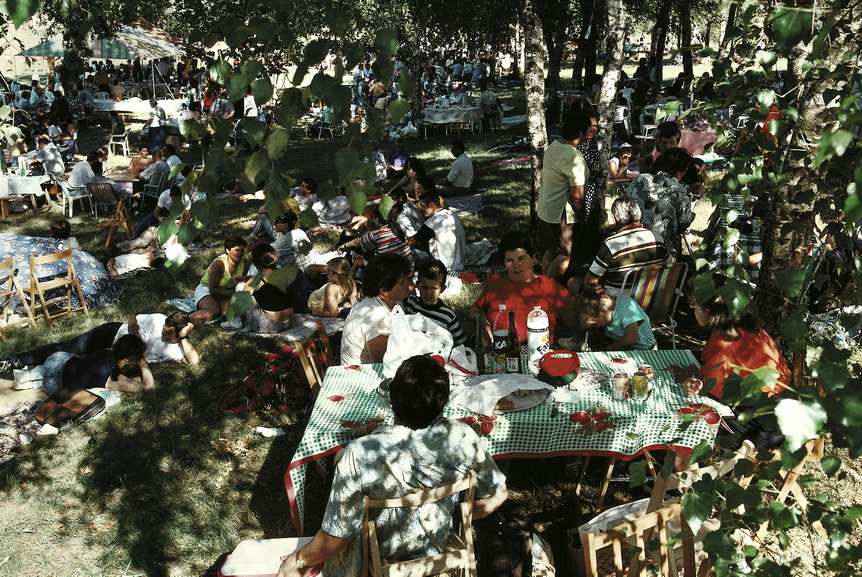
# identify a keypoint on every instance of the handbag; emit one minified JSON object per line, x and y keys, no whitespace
{"x":69,"y":408}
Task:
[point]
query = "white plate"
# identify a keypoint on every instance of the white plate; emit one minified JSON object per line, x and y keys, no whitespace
{"x":522,"y":400}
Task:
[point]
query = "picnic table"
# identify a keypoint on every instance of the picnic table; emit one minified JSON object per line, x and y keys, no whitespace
{"x":454,"y":115}
{"x":349,"y":394}
{"x":15,"y":186}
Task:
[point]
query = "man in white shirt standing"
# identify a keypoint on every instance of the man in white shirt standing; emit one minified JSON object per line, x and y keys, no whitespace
{"x":460,"y":177}
{"x":443,"y":231}
{"x":564,"y":176}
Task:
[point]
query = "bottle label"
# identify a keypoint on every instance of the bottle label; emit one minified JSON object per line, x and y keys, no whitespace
{"x":512,"y":365}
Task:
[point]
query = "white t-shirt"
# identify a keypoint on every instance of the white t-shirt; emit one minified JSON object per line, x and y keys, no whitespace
{"x":449,"y":244}
{"x":368,"y":319}
{"x":563,"y":167}
{"x":286,"y":244}
{"x":82,"y":174}
{"x":250,"y":106}
{"x":461,"y":173}
{"x":150,"y":329}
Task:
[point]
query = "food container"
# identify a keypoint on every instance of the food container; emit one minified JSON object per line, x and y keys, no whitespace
{"x":640,"y":386}
{"x":559,"y":368}
{"x":620,"y":386}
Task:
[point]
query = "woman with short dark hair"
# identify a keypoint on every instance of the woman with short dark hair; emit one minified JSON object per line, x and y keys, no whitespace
{"x":212,"y":297}
{"x":388,"y":281}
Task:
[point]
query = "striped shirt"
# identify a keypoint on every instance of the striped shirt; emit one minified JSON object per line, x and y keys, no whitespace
{"x":440,"y":313}
{"x":632,"y":248}
{"x":383,"y":240}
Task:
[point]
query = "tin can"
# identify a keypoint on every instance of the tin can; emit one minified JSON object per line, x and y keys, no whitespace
{"x":648,"y":371}
{"x":620,"y":386}
{"x":640,"y":386}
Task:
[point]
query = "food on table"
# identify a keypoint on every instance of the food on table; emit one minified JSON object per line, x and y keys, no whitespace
{"x":620,"y":386}
{"x":559,"y":368}
{"x":647,"y":370}
{"x":640,"y":386}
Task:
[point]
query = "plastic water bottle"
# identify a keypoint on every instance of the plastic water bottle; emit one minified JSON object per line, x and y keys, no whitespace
{"x":538,"y":337}
{"x":501,"y":335}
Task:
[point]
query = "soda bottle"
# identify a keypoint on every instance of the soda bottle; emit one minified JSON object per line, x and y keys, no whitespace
{"x":513,"y":347}
{"x":538,"y":337}
{"x":501,"y":335}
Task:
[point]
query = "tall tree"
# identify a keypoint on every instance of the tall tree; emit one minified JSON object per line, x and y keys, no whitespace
{"x":659,"y":37}
{"x":614,"y":44}
{"x":685,"y":38}
{"x":534,"y":83}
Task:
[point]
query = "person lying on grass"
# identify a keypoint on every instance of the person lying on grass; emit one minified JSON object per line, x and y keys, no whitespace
{"x":420,"y":451}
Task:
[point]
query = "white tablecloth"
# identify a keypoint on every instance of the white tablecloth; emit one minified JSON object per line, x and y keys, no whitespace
{"x":14,"y":185}
{"x":451,"y":115}
{"x":136,"y":105}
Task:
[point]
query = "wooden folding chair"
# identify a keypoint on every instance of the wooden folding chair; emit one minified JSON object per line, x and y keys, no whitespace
{"x":625,"y":548}
{"x":103,"y":195}
{"x":458,"y":556}
{"x":790,"y":482}
{"x":315,"y":355}
{"x":70,"y":282}
{"x":10,"y":287}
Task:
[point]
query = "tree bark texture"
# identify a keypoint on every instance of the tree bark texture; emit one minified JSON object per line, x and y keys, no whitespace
{"x":662,"y":22}
{"x":685,"y":38}
{"x":534,"y":83}
{"x":728,"y":28}
{"x":554,"y":16}
{"x":586,"y":31}
{"x":607,"y":101}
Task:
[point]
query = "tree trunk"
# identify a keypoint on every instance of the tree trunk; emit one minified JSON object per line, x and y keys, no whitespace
{"x":586,"y":32}
{"x":607,"y":101}
{"x":661,"y":24}
{"x":554,"y":16}
{"x":728,"y":28}
{"x":685,"y":38}
{"x":534,"y":84}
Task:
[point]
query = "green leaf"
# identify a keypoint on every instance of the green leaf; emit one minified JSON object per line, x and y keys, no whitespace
{"x":262,"y":90}
{"x":853,"y":208}
{"x":253,"y":130}
{"x":781,"y":516}
{"x":276,"y":142}
{"x":167,"y":229}
{"x":314,"y":52}
{"x":756,"y":381}
{"x":766,"y":98}
{"x":799,"y":421}
{"x":830,"y":465}
{"x":735,"y":296}
{"x":794,"y":329}
{"x":696,"y":508}
{"x":791,"y":25}
{"x":254,"y":165}
{"x":637,"y":473}
{"x":397,"y":110}
{"x":240,"y":302}
{"x":358,"y":201}
{"x":701,"y":450}
{"x":308,"y":218}
{"x":21,"y":10}
{"x":704,"y":287}
{"x":766,"y":58}
{"x":386,"y":204}
{"x":790,"y":281}
{"x":854,"y":512}
{"x":840,"y":141}
{"x":284,"y":277}
{"x":220,"y":72}
{"x":387,"y":42}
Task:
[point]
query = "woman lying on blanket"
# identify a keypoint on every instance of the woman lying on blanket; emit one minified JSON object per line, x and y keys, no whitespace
{"x":274,"y":306}
{"x":212,"y":297}
{"x":123,"y":367}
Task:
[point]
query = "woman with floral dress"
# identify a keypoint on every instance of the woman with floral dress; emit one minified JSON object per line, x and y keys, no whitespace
{"x":587,"y":229}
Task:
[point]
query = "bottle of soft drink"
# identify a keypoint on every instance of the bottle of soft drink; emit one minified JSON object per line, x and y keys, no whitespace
{"x":538,"y":337}
{"x":501,"y":335}
{"x":513,"y":347}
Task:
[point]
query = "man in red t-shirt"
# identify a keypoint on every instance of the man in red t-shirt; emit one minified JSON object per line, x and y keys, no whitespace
{"x":520,"y":289}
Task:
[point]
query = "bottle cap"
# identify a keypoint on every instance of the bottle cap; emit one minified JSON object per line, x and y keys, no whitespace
{"x":502,"y":306}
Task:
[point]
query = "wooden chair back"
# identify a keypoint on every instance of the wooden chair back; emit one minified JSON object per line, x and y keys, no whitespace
{"x":10,"y":287}
{"x":315,"y":355}
{"x":459,"y":554}
{"x":39,"y":286}
{"x":627,"y":548}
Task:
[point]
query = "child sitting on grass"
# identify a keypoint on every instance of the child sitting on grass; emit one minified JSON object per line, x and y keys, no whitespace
{"x":621,"y":319}
{"x":432,"y":282}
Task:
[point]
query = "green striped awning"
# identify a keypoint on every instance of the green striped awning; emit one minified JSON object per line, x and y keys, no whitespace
{"x":140,"y":38}
{"x":101,"y":47}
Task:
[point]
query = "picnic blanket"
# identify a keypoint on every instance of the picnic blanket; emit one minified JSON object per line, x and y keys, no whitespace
{"x":98,"y":287}
{"x":465,"y":205}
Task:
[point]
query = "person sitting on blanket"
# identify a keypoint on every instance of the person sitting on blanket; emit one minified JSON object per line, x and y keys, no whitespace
{"x":459,"y":180}
{"x":413,"y":172}
{"x":622,"y":321}
{"x":165,"y":339}
{"x":421,"y":450}
{"x":339,"y":294}
{"x":62,"y":230}
{"x":388,"y":281}
{"x":141,"y":252}
{"x":123,"y":367}
{"x":443,"y":233}
{"x":431,"y":279}
{"x":212,"y":297}
{"x":384,"y":235}
{"x":274,"y":305}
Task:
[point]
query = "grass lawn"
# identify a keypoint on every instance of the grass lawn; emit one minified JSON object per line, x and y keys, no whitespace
{"x":164,"y":483}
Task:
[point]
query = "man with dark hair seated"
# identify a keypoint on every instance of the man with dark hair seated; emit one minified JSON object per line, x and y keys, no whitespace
{"x":420,"y":451}
{"x":388,"y":281}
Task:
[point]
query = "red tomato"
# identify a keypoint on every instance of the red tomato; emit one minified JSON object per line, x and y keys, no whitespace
{"x":468,"y":420}
{"x":712,"y":418}
{"x":580,"y":417}
{"x":600,"y":415}
{"x":601,"y":426}
{"x":486,"y":427}
{"x":484,"y":418}
{"x":687,"y":410}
